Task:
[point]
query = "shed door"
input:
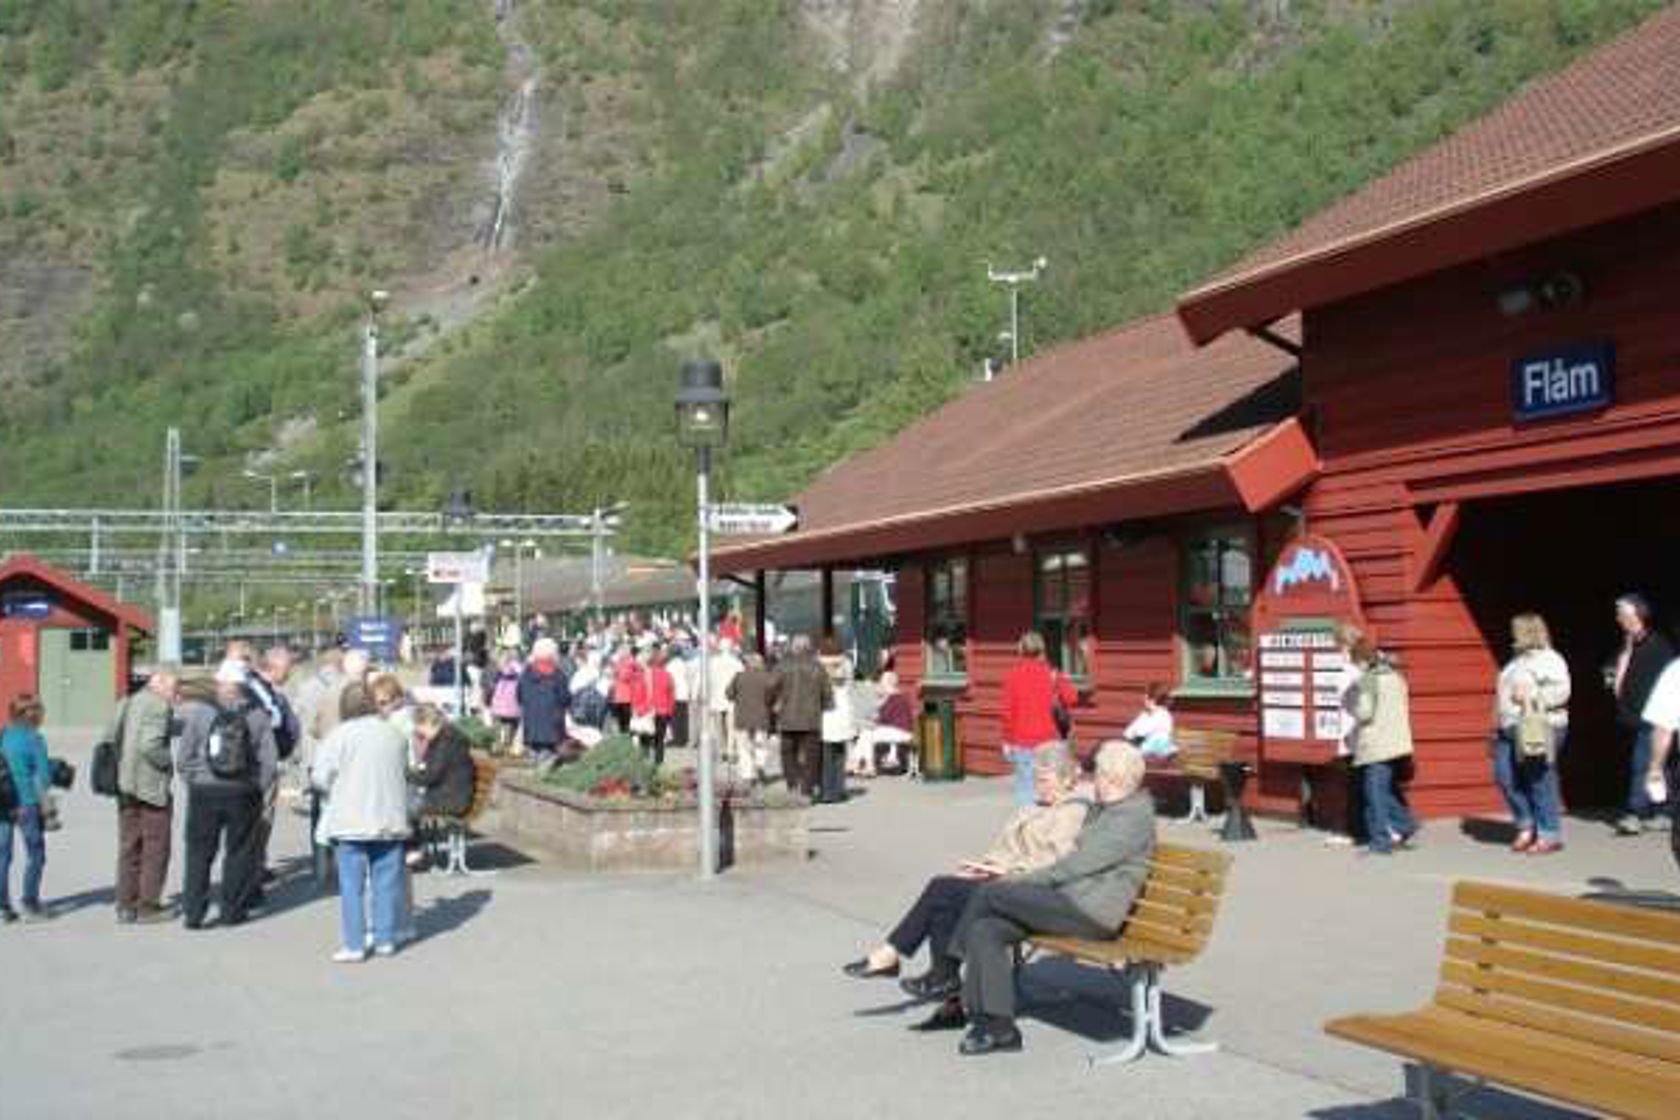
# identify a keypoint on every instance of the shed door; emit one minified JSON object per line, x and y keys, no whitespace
{"x":78,"y":668}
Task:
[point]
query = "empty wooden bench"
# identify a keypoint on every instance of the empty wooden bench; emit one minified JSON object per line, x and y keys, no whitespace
{"x":1169,"y":925}
{"x":1569,"y":999}
{"x":449,"y":831}
{"x":1200,"y":754}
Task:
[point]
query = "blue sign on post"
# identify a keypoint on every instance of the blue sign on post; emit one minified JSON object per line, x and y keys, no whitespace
{"x":381,"y":636}
{"x":34,"y":605}
{"x":1564,"y":381}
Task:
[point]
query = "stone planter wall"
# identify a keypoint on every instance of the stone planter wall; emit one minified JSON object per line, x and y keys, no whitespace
{"x":593,"y":834}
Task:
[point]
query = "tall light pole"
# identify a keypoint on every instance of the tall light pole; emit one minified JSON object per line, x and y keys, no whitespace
{"x":273,"y":487}
{"x":519,"y":548}
{"x":703,"y":424}
{"x":1015,"y":280}
{"x":370,"y":452}
{"x":600,"y":520}
{"x":172,"y":549}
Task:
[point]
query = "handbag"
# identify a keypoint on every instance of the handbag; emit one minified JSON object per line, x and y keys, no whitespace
{"x":642,"y":724}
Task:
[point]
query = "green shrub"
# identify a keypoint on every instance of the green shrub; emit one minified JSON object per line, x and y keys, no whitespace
{"x":615,"y":765}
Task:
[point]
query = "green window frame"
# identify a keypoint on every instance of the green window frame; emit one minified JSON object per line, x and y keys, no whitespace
{"x":1216,"y":593}
{"x":945,"y":629}
{"x":1062,"y":584}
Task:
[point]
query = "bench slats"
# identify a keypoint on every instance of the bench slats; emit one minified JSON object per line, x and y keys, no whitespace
{"x":1549,"y":966}
{"x":1172,"y":855}
{"x":1190,"y":902}
{"x":1600,"y":1032}
{"x":1187,"y":878}
{"x":1655,"y":958}
{"x":1172,"y":919}
{"x":1502,"y":1056}
{"x":1561,"y":996}
{"x":1578,"y":914}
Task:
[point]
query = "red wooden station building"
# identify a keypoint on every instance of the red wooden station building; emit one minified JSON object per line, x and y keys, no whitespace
{"x":1453,"y":396}
{"x":65,"y":641}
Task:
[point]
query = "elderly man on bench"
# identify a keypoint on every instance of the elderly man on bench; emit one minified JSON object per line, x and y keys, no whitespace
{"x":1087,"y":893}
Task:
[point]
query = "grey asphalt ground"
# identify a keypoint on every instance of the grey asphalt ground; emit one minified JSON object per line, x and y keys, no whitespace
{"x":540,"y":993}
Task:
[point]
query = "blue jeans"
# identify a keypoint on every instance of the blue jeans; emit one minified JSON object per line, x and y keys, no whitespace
{"x":27,"y":820}
{"x":1385,"y":813}
{"x":359,"y":861}
{"x":1021,"y":783}
{"x":1639,"y":802}
{"x":1530,"y":786}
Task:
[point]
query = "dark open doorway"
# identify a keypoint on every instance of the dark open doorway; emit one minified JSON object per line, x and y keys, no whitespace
{"x":1567,"y":555}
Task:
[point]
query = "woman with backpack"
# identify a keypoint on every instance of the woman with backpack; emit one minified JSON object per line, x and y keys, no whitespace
{"x":1531,"y":710}
{"x":23,"y":791}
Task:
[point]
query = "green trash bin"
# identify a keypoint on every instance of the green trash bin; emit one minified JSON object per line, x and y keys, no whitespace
{"x":941,"y":751}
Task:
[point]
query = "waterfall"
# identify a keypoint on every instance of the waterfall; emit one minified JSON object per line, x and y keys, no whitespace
{"x":516,"y":128}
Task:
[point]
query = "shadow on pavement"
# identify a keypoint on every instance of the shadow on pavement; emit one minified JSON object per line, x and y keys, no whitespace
{"x":1484,"y":831}
{"x":1485,"y":1103}
{"x":69,"y":904}
{"x":446,"y":914}
{"x":1093,"y":1004}
{"x":485,"y":854}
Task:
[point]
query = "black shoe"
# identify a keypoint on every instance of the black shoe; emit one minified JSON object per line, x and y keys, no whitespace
{"x":994,"y":1039}
{"x":931,"y":986}
{"x":948,"y":1016}
{"x":860,"y":970}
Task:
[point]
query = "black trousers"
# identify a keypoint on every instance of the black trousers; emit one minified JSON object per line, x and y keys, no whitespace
{"x":999,"y":916}
{"x":933,"y":918}
{"x":226,"y":821}
{"x":833,"y":772}
{"x":802,"y":761}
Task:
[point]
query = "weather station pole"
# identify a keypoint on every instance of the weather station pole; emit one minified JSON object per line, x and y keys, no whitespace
{"x":370,"y":453}
{"x":1014,"y":279}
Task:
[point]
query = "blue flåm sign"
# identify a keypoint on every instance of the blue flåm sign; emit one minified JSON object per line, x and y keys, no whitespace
{"x":1564,"y":381}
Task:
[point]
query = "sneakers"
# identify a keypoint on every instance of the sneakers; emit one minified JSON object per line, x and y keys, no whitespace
{"x":384,"y":950}
{"x":1627,"y":825}
{"x":349,"y":956}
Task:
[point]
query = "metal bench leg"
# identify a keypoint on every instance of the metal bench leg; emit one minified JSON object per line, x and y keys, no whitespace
{"x":1182,"y":1048}
{"x":1134,"y":1047}
{"x":456,"y":843}
{"x":1437,"y":1097}
{"x":1198,"y":803}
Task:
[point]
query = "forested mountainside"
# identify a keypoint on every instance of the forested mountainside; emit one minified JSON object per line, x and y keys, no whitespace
{"x":565,"y":197}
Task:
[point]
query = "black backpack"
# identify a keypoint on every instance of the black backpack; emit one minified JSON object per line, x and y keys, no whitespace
{"x":107,"y":756}
{"x":8,"y":789}
{"x":229,"y":753}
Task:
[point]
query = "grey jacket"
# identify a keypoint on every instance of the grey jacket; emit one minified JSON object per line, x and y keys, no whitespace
{"x":145,"y":766}
{"x":197,"y":718}
{"x":802,"y":694}
{"x":1109,"y":862}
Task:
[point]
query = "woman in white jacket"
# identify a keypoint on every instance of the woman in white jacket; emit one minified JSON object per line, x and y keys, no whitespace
{"x":1531,"y":710}
{"x":839,"y":722}
{"x":363,"y":766}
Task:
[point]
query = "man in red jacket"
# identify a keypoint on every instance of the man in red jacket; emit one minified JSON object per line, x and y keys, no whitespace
{"x":1031,"y":692}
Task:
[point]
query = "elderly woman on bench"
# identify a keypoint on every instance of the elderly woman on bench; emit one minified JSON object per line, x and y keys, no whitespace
{"x":1087,"y":893}
{"x":1034,"y":837}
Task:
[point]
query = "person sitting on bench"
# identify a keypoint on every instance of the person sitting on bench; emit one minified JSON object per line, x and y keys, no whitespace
{"x":1087,"y":893}
{"x":1152,"y":730}
{"x":1033,"y":837}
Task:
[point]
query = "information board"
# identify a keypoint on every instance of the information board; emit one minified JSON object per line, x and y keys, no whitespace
{"x":379,"y":635}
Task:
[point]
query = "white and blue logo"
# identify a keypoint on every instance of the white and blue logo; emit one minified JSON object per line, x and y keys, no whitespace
{"x":1563,"y":382}
{"x":1308,"y":565}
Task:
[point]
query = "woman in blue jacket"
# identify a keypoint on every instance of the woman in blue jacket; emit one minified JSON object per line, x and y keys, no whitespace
{"x":25,"y":753}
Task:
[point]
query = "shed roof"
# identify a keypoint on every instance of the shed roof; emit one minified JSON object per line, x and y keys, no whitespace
{"x":1593,"y":142}
{"x":1131,"y":422}
{"x":25,"y":567}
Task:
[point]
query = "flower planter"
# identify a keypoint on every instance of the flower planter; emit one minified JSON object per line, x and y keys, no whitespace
{"x":612,"y":834}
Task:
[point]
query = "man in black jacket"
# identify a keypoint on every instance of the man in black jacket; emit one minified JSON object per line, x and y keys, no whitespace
{"x":1644,"y":655}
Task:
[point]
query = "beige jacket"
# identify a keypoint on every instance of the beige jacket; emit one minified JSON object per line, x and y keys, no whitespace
{"x":1036,"y":836}
{"x":1382,"y":715}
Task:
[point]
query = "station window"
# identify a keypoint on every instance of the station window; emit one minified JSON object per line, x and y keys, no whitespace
{"x":85,"y":641}
{"x":1217,"y":590}
{"x":1062,"y":607}
{"x":947,"y":618}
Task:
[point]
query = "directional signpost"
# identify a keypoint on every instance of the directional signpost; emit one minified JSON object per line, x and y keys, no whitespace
{"x":744,"y":519}
{"x":458,"y":568}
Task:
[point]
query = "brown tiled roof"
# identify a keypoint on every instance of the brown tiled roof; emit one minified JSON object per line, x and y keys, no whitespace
{"x":1617,"y":100}
{"x":1132,"y":403}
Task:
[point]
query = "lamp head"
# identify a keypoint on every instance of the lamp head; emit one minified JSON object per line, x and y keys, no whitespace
{"x":702,"y":404}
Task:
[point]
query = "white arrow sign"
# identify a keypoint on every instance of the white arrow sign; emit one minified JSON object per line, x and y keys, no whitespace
{"x":741,"y":519}
{"x":457,"y":567}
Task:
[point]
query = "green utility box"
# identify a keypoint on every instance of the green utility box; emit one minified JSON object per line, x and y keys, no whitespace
{"x":936,"y":736}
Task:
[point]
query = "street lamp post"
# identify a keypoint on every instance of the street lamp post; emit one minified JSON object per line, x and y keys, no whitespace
{"x":600,"y":520}
{"x":703,"y":424}
{"x":458,"y":512}
{"x":1015,"y":280}
{"x":370,"y":452}
{"x":519,"y":548}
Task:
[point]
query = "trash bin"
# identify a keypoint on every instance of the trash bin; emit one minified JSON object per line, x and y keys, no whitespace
{"x":936,"y":734}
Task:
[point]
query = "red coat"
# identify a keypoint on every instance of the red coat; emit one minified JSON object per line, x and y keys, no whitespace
{"x":655,"y":692}
{"x":627,"y":678}
{"x":1027,"y":693}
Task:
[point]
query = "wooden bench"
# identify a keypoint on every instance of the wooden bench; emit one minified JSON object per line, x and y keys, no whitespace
{"x":453,"y":829}
{"x":1200,"y":754}
{"x":1574,"y":1000}
{"x":1169,"y":925}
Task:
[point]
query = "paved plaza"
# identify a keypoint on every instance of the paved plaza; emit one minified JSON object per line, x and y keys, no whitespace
{"x":538,"y":993}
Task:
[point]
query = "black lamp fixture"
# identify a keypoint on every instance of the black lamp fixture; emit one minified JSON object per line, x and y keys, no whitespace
{"x":702,"y":404}
{"x":1545,"y":293}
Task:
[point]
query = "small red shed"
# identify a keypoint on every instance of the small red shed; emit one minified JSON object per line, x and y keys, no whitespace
{"x":64,"y":640}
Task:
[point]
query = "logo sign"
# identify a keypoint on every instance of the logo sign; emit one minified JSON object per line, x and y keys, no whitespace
{"x":379,"y":635}
{"x":457,"y":567}
{"x":25,"y":604}
{"x":1563,"y":382}
{"x":1307,"y":565}
{"x":744,"y":520}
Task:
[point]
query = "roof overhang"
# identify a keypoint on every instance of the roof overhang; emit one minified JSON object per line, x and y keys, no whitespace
{"x":1614,"y":183}
{"x":1255,"y":476}
{"x":123,"y":614}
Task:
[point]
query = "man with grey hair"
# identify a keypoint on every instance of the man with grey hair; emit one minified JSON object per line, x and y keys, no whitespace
{"x":799,"y":696}
{"x":145,"y":809}
{"x":1087,"y":893}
